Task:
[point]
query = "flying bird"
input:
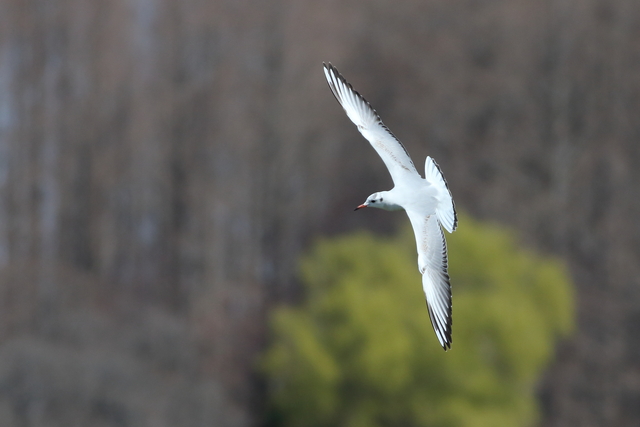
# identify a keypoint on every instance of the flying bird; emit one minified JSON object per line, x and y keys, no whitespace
{"x":427,"y":201}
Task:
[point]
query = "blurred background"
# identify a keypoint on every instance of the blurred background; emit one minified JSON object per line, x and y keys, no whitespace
{"x":164,"y":164}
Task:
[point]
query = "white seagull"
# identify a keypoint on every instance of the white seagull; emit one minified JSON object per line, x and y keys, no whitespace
{"x":427,"y":201}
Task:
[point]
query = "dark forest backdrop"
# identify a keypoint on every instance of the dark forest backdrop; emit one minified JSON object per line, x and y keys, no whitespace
{"x":164,"y":163}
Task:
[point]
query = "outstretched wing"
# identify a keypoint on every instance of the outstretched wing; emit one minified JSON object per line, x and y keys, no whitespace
{"x":432,"y":262}
{"x":446,"y":209}
{"x":390,"y":149}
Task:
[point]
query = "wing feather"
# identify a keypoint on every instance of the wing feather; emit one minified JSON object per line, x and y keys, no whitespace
{"x":433,"y":264}
{"x":368,"y":122}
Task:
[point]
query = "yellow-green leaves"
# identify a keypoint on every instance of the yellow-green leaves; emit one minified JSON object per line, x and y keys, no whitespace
{"x":361,"y":352}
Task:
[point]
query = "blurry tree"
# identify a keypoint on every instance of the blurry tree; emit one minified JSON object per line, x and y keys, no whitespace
{"x":360,"y":351}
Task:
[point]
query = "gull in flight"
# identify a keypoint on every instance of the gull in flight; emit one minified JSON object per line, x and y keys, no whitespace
{"x":427,"y":200}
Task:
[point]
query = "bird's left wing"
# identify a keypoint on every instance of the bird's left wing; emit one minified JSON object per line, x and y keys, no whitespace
{"x":432,"y":262}
{"x":362,"y":114}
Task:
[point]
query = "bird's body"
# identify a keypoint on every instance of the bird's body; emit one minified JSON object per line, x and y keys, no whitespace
{"x":427,"y":201}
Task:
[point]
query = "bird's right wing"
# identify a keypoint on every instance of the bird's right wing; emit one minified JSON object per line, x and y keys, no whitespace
{"x":432,"y":263}
{"x":390,"y":149}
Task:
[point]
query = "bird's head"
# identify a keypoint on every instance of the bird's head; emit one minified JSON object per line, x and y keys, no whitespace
{"x":378,"y":200}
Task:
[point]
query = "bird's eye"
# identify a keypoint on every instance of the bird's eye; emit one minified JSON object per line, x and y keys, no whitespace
{"x":381,"y":199}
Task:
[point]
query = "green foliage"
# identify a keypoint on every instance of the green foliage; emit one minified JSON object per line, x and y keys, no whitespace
{"x":361,"y":352}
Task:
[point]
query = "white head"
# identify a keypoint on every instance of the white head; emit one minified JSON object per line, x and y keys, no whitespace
{"x":379,"y":200}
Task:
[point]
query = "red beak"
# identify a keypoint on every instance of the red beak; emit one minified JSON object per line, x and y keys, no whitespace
{"x":360,"y":207}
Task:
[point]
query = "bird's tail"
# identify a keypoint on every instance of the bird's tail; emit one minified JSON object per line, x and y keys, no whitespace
{"x":446,"y":210}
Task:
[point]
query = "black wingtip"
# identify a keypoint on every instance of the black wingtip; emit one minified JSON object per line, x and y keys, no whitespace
{"x":447,"y":332}
{"x":329,"y":67}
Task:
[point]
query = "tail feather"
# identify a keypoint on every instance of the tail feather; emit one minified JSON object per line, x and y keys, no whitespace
{"x":446,"y":210}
